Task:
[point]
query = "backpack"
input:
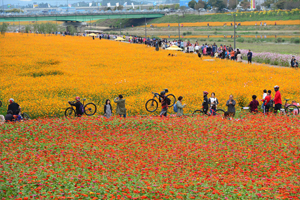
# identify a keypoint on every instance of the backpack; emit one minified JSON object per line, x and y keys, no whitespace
{"x":175,"y":108}
{"x":168,"y":101}
{"x":81,"y":108}
{"x":270,"y":103}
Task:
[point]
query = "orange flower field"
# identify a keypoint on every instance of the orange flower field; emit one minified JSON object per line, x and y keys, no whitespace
{"x":43,"y":72}
{"x":248,"y":23}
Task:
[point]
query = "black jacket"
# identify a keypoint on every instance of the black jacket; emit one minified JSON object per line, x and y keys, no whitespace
{"x":205,"y":102}
{"x":78,"y":106}
{"x":105,"y":108}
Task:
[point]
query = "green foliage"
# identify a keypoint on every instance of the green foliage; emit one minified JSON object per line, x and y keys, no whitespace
{"x":192,"y":4}
{"x":295,"y":40}
{"x":241,"y":17}
{"x":71,"y":29}
{"x":279,"y":40}
{"x":219,"y":4}
{"x":240,"y":39}
{"x":3,"y":28}
{"x":242,"y":101}
{"x":27,"y":28}
{"x":176,"y":6}
{"x":45,"y":27}
{"x":187,"y":33}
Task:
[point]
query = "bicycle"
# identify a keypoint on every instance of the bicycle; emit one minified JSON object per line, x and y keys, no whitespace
{"x":25,"y":116}
{"x":152,"y":104}
{"x":289,"y":109}
{"x":89,"y":109}
{"x":218,"y":112}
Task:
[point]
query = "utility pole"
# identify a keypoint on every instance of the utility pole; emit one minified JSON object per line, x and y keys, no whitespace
{"x":234,"y":29}
{"x":145,"y":29}
{"x":3,"y":7}
{"x":178,"y":28}
{"x":120,"y":28}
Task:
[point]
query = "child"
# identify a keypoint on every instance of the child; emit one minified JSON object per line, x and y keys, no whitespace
{"x":107,"y":109}
{"x":253,"y":104}
{"x":264,"y":96}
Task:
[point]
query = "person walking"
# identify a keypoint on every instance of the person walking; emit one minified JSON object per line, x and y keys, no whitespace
{"x":180,"y":106}
{"x":249,"y":55}
{"x":107,"y":109}
{"x":121,"y":110}
{"x":231,"y":106}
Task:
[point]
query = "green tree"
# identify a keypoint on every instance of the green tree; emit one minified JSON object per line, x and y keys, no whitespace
{"x":72,"y":29}
{"x":201,"y":4}
{"x":4,"y":28}
{"x":27,"y":28}
{"x":192,"y":4}
{"x":268,"y":3}
{"x":245,"y":4}
{"x":219,"y":4}
{"x":232,"y":4}
{"x":176,"y":6}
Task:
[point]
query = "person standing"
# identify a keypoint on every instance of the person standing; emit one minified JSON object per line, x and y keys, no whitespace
{"x":277,"y":99}
{"x":213,"y":101}
{"x":107,"y":109}
{"x":78,"y":105}
{"x":264,"y":96}
{"x":164,"y":104}
{"x":267,"y":101}
{"x":249,"y":55}
{"x":205,"y":102}
{"x":121,"y":110}
{"x":231,"y":106}
{"x":180,"y":106}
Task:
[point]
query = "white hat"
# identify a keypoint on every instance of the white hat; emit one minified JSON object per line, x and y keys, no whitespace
{"x":11,"y":100}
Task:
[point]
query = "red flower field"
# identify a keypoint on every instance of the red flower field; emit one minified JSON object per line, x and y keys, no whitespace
{"x":151,"y":158}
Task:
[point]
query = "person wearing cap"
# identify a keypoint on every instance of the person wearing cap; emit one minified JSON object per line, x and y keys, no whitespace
{"x":294,"y":63}
{"x":205,"y":102}
{"x":277,"y":99}
{"x":14,"y":107}
{"x":78,"y":105}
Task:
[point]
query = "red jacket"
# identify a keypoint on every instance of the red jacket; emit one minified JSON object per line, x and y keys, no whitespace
{"x":277,"y":98}
{"x":267,"y":99}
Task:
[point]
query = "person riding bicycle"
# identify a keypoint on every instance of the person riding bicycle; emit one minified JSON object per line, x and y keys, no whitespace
{"x":277,"y":99}
{"x":164,"y":104}
{"x":78,"y":105}
{"x":205,"y":102}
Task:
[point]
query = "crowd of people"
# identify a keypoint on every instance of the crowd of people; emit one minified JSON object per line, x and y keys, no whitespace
{"x":209,"y":105}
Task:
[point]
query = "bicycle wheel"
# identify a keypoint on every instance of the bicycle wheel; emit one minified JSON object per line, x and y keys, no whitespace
{"x":25,"y":116}
{"x":219,"y":112}
{"x":292,"y":110}
{"x":172,"y":98}
{"x":199,"y":112}
{"x":151,"y":105}
{"x":90,"y":109}
{"x":70,"y":112}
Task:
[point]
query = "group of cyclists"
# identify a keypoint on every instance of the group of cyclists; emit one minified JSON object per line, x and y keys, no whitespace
{"x":14,"y":109}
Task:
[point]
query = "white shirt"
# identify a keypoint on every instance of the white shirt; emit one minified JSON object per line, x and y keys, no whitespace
{"x":264,"y":95}
{"x":213,"y":100}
